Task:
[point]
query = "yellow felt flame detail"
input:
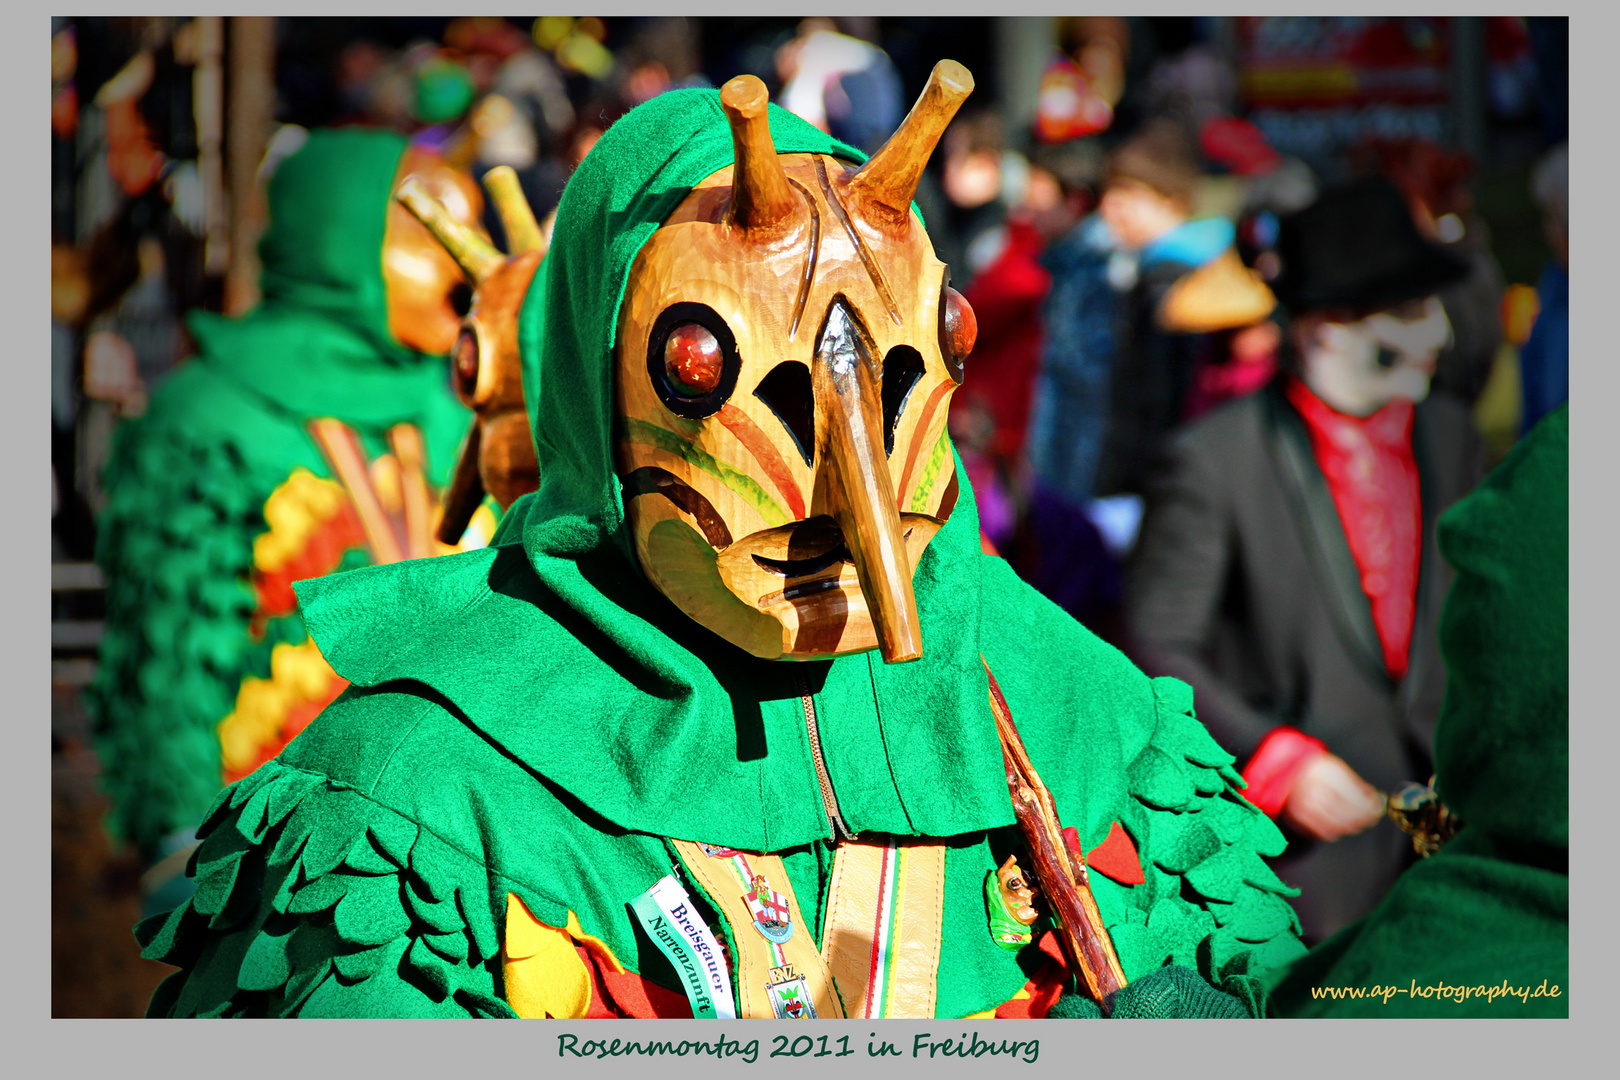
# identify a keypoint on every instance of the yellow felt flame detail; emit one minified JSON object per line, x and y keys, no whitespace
{"x":298,"y":674}
{"x":294,"y":511}
{"x":545,"y":977}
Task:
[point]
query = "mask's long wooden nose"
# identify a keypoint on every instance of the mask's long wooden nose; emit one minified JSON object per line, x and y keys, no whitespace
{"x":860,"y":491}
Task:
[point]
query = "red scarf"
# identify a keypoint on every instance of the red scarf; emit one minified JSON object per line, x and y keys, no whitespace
{"x":1370,"y":469}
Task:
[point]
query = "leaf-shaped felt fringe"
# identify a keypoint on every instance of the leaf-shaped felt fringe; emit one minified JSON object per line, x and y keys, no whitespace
{"x":371,"y":912}
{"x":1160,"y":781}
{"x":1172,"y":920}
{"x":303,"y":983}
{"x":1182,"y":841}
{"x":364,"y":858}
{"x":1138,"y":948}
{"x":452,"y":946}
{"x":253,"y":818}
{"x":1263,"y":836}
{"x":223,"y":845}
{"x":1260,"y":958}
{"x":362,"y":964}
{"x":215,"y":881}
{"x":318,"y":894}
{"x":479,"y":921}
{"x":364,"y":916}
{"x":288,"y":792}
{"x":1186,"y":736}
{"x":265,"y":967}
{"x":148,"y":929}
{"x":428,"y":856}
{"x":1221,"y":876}
{"x":1207,"y":782}
{"x":426,"y":970}
{"x":165,"y":996}
{"x":178,"y":939}
{"x":1271,"y":883}
{"x":393,"y":837}
{"x":289,"y":846}
{"x":483,"y":1005}
{"x":1221,"y":949}
{"x":223,"y":1009}
{"x":440,"y":918}
{"x":1262,"y":919}
{"x":1227,"y":817}
{"x":330,"y":836}
{"x":1171,"y":695}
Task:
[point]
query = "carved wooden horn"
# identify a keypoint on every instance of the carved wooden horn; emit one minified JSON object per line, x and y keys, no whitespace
{"x":476,"y":256}
{"x":760,"y":196}
{"x":889,"y":178}
{"x":523,"y":233}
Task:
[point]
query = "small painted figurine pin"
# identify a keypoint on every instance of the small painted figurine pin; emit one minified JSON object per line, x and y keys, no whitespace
{"x":1011,"y":899}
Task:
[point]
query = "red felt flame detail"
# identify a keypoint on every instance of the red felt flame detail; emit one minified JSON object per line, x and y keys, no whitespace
{"x":1115,"y":857}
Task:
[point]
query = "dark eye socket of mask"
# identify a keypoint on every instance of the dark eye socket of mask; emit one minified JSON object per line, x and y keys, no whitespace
{"x":958,"y":329}
{"x":692,"y":360}
{"x":461,"y":299}
{"x":464,"y":365}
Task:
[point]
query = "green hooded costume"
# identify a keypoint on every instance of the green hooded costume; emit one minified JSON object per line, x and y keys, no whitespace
{"x":189,"y":480}
{"x":1482,"y":928}
{"x":535,"y":719}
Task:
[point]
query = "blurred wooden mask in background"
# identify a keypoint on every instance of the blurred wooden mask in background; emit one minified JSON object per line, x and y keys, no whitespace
{"x":498,"y":455}
{"x":425,"y":288}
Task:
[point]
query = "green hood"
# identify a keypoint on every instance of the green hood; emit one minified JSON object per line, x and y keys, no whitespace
{"x":318,"y":343}
{"x":1501,"y":744}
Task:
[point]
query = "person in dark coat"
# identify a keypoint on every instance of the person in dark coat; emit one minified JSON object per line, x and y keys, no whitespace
{"x":1147,"y":202}
{"x":1287,"y":566}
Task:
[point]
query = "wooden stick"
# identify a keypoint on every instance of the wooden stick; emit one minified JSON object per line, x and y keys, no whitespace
{"x":342,"y":449}
{"x":466,"y":491}
{"x":406,"y":439}
{"x":1060,"y":869}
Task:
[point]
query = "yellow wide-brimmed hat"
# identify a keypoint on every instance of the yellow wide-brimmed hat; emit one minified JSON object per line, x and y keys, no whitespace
{"x":1223,"y":294}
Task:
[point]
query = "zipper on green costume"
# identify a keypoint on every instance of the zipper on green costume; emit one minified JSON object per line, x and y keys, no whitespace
{"x":829,"y":801}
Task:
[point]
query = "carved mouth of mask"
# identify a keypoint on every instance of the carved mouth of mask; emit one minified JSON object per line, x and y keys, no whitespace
{"x":806,"y":537}
{"x":798,"y":560}
{"x":820,"y":533}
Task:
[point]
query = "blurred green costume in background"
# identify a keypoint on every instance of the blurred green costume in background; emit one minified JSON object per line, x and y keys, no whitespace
{"x":535,"y":739}
{"x":221,"y":495}
{"x":1488,"y":915}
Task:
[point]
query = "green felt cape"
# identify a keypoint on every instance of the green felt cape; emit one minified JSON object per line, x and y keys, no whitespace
{"x":536,"y":718}
{"x":187,"y":481}
{"x":1491,"y":909}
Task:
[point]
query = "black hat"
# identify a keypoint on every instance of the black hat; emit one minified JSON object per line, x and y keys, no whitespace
{"x":1357,"y":247}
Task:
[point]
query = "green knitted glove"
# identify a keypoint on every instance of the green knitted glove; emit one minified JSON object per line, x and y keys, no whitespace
{"x":1170,"y":993}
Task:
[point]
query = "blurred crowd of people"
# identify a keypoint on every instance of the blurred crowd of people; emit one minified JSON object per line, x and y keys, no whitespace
{"x":1218,"y":400}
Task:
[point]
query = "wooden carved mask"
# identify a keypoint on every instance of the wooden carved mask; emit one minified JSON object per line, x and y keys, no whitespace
{"x":786,"y":351}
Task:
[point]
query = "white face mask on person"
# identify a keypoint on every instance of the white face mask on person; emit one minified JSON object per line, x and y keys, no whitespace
{"x":1359,"y":367}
